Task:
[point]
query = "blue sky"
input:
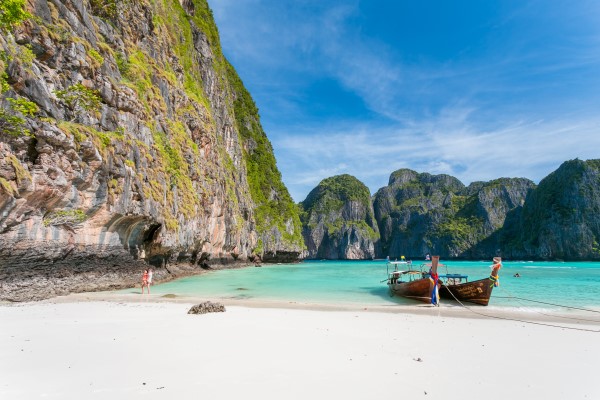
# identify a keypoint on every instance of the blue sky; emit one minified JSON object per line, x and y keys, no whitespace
{"x":474,"y":89}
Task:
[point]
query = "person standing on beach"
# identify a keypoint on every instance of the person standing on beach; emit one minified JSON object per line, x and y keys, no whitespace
{"x":145,"y":281}
{"x":149,"y":279}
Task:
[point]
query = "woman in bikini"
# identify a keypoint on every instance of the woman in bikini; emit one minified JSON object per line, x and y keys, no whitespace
{"x":145,"y":281}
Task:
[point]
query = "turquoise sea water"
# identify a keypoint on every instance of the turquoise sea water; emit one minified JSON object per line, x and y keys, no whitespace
{"x":360,"y":283}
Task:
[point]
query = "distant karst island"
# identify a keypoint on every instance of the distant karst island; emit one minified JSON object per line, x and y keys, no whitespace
{"x":420,"y":213}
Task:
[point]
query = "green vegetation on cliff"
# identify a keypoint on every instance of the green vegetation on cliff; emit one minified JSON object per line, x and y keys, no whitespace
{"x":328,"y":199}
{"x":419,"y":213}
{"x":12,"y":13}
{"x":275,"y":206}
{"x":332,"y":193}
{"x":551,"y":193}
{"x":461,"y":232}
{"x":561,"y":215}
{"x":334,"y":228}
{"x":338,"y":212}
{"x":12,"y":121}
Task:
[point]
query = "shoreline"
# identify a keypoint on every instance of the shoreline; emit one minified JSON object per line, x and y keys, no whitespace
{"x":569,"y":318}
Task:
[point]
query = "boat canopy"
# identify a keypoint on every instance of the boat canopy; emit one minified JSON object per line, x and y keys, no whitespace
{"x":410,"y":271}
{"x":454,"y":276}
{"x":399,"y":262}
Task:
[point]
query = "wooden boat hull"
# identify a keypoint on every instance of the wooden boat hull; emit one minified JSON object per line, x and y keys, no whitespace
{"x":419,"y":289}
{"x":477,"y":292}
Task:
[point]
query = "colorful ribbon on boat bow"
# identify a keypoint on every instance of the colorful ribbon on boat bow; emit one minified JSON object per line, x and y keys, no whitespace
{"x":435,"y":296}
{"x":495,"y":280}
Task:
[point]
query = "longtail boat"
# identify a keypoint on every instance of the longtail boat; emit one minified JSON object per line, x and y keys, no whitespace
{"x":412,"y":284}
{"x":457,"y":286}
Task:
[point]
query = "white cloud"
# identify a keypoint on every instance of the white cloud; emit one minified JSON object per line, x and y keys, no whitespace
{"x":507,"y":114}
{"x":442,"y":145}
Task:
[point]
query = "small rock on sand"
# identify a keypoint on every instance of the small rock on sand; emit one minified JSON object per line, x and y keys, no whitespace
{"x":206,"y":307}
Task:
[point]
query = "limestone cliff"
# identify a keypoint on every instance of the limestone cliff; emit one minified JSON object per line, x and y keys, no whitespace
{"x":126,"y":138}
{"x":422,"y":213}
{"x":488,"y":208}
{"x":561,"y":218}
{"x":410,"y":208}
{"x":338,"y":220}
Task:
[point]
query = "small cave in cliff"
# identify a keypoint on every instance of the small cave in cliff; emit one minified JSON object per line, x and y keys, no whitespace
{"x":153,"y":254}
{"x":32,"y":153}
{"x":137,"y":234}
{"x":203,"y":260}
{"x":150,"y":234}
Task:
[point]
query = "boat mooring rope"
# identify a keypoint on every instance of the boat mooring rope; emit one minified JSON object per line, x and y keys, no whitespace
{"x":543,"y":302}
{"x":512,"y":296}
{"x":555,"y":315}
{"x":521,"y":320}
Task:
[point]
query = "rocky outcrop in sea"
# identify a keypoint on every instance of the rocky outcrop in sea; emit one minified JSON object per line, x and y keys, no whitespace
{"x":127,"y":139}
{"x":409,"y":210}
{"x":415,"y":214}
{"x":560,"y":218}
{"x":420,"y":213}
{"x":338,"y":220}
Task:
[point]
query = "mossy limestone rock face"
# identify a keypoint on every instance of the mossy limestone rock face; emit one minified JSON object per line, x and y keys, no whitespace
{"x":561,"y":218}
{"x":420,"y":213}
{"x":143,"y":147}
{"x":495,"y":199}
{"x":338,"y":220}
{"x":491,"y":209}
{"x":409,"y":209}
{"x":277,"y":218}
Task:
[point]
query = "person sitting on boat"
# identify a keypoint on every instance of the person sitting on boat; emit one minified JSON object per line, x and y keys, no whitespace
{"x":427,"y":257}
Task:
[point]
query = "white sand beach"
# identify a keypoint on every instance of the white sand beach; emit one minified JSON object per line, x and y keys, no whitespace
{"x":143,"y":348}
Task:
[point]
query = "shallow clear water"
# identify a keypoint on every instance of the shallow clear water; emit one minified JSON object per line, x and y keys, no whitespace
{"x":360,"y":283}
